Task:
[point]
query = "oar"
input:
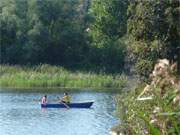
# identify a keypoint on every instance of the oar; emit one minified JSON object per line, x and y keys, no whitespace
{"x":64,"y":104}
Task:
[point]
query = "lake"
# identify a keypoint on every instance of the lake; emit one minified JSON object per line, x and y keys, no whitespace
{"x":21,"y":114}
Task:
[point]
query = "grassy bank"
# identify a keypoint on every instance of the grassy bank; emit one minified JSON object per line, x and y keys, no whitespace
{"x":55,"y":76}
{"x":153,"y":108}
{"x":158,"y":116}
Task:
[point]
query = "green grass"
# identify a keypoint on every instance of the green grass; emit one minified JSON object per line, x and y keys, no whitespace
{"x":136,"y":115}
{"x":55,"y":76}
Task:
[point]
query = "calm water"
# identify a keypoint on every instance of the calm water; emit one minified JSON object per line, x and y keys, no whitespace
{"x":21,"y":114}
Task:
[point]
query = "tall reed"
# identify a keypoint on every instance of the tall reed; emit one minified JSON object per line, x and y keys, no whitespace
{"x":56,"y":76}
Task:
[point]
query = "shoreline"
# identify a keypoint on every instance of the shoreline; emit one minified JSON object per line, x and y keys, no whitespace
{"x":53,"y":77}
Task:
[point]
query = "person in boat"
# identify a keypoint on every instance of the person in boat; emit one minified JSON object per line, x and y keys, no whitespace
{"x":66,"y":98}
{"x":44,"y":99}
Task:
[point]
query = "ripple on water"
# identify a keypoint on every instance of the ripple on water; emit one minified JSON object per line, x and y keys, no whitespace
{"x":21,"y":115}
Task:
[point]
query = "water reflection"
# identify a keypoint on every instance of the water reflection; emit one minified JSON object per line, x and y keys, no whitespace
{"x":21,"y":114}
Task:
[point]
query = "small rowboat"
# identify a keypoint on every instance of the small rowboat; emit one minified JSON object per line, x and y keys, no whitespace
{"x":69,"y":105}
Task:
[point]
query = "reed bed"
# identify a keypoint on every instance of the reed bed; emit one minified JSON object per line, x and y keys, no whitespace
{"x":56,"y":76}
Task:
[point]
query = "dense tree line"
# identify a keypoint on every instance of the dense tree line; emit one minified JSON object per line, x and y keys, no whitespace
{"x":61,"y":32}
{"x":42,"y":31}
{"x":89,"y":34}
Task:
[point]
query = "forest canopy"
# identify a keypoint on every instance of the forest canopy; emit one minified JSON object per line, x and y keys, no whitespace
{"x":96,"y":35}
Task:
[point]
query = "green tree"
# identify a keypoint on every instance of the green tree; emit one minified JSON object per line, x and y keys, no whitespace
{"x":153,"y":32}
{"x":37,"y":31}
{"x":9,"y":24}
{"x":108,"y":26}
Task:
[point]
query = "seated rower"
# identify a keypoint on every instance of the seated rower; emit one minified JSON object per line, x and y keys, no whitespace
{"x":66,"y":98}
{"x":44,"y":99}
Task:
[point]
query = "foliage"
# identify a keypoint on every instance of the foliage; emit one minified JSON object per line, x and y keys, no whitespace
{"x":143,"y":68}
{"x":89,"y":34}
{"x":46,"y":31}
{"x":138,"y":115}
{"x":96,"y":35}
{"x":153,"y":31}
{"x":56,"y":32}
{"x":55,"y":76}
{"x":106,"y":29}
{"x":155,"y":108}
